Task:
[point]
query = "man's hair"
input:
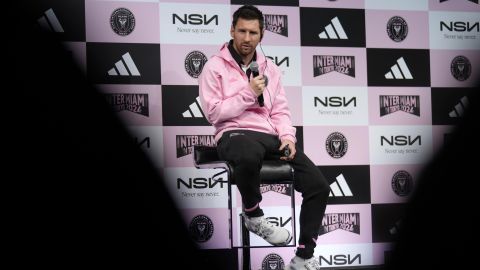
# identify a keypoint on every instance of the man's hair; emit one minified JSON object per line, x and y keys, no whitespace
{"x":248,"y":12}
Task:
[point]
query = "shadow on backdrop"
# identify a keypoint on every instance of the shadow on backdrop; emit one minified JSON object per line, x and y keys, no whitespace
{"x":440,"y":229}
{"x":83,"y":193}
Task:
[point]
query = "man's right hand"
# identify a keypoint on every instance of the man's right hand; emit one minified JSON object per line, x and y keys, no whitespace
{"x":257,"y":85}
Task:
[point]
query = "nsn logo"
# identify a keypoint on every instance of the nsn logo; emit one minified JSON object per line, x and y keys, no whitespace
{"x":144,"y":142}
{"x":341,"y":259}
{"x":279,"y":62}
{"x":460,"y":26}
{"x":199,"y":183}
{"x":400,"y":140}
{"x":279,"y":221}
{"x":335,"y":101}
{"x":194,"y":19}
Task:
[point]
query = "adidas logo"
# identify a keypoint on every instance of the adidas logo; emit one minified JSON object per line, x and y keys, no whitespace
{"x":50,"y":22}
{"x":333,"y":30}
{"x":459,"y":109}
{"x":399,"y":71}
{"x":124,"y":69}
{"x":340,"y":188}
{"x":194,"y":110}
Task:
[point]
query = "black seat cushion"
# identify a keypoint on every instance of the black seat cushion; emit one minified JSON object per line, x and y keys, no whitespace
{"x":205,"y":154}
{"x":272,"y":171}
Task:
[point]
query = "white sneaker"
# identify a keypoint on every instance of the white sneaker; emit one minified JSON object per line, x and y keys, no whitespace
{"x":298,"y":263}
{"x":273,"y":234}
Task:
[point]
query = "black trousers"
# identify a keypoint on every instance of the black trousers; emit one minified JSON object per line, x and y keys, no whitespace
{"x":247,"y":149}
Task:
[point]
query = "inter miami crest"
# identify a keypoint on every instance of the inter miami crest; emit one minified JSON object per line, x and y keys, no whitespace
{"x":397,"y":28}
{"x":336,"y":144}
{"x":461,"y":68}
{"x":273,"y":262}
{"x":122,"y":21}
{"x":194,"y":63}
{"x":201,"y":228}
{"x":402,"y":183}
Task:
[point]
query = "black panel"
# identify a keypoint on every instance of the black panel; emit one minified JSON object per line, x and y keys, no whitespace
{"x":387,"y":221}
{"x":348,"y":179}
{"x":103,"y":58}
{"x":176,"y":101}
{"x":314,"y":21}
{"x":449,"y":105}
{"x":381,"y":63}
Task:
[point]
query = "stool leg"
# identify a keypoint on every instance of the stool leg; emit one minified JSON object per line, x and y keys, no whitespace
{"x":245,"y":245}
{"x":292,"y":205}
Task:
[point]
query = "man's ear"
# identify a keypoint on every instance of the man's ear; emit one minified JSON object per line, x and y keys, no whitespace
{"x":231,"y":31}
{"x":261,"y":34}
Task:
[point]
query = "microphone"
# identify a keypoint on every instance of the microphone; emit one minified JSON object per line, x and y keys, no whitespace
{"x":254,"y":69}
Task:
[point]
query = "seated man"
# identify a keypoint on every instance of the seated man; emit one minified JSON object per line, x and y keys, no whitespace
{"x":249,"y":129}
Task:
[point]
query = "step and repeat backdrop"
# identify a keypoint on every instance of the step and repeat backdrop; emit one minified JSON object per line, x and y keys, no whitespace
{"x":375,"y":87}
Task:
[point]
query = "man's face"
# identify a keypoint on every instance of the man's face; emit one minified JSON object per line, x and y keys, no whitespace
{"x":246,"y":36}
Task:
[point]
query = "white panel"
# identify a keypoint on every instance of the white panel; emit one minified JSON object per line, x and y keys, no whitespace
{"x":400,"y":144}
{"x":195,"y":188}
{"x":338,"y":109}
{"x":291,"y":69}
{"x":450,"y":30}
{"x":194,"y":23}
{"x":397,"y":4}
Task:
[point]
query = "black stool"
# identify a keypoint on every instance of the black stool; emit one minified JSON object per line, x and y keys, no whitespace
{"x":272,"y":172}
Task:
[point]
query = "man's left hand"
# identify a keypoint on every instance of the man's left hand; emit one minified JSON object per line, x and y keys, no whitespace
{"x":291,"y":145}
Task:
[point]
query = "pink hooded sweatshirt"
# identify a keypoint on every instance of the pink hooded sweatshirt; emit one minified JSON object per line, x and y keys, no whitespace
{"x":229,"y":103}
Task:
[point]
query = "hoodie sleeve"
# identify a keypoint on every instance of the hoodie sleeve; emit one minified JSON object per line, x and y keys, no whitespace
{"x":217,"y":108}
{"x":281,"y":116}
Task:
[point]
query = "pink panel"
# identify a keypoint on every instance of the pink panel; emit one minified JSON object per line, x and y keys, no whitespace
{"x":441,"y":66}
{"x":454,"y":5}
{"x":170,"y":142}
{"x":440,"y":135}
{"x":357,"y":138}
{"x":379,"y":250}
{"x":267,"y":258}
{"x":79,"y":53}
{"x":334,"y":77}
{"x":173,"y":64}
{"x":294,"y":96}
{"x":341,"y":236}
{"x":400,"y":117}
{"x":196,"y":1}
{"x":333,"y":4}
{"x":219,"y":238}
{"x":381,"y":182}
{"x":273,"y":25}
{"x":130,"y":116}
{"x":97,"y":22}
{"x":376,"y":29}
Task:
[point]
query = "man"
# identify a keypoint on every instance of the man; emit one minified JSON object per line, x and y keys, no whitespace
{"x":248,"y":130}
